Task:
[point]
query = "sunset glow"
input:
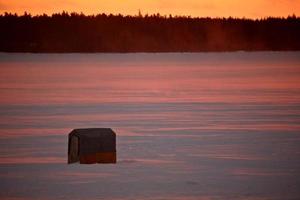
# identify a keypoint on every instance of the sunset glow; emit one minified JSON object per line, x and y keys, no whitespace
{"x":204,"y":8}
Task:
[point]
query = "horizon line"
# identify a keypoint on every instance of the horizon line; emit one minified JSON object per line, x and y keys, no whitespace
{"x":139,"y":14}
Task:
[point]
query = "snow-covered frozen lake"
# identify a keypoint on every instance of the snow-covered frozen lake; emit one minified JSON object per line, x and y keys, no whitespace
{"x":189,"y":125}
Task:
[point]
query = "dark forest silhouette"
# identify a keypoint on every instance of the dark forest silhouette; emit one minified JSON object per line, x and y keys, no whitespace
{"x":74,"y":32}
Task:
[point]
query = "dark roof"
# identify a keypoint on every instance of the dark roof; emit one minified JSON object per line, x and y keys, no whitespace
{"x":92,"y":132}
{"x":94,"y":140}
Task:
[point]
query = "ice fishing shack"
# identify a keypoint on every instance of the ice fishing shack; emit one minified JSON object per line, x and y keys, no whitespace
{"x":92,"y":145}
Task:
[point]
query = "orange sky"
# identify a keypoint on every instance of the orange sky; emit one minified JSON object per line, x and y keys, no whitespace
{"x":202,"y":8}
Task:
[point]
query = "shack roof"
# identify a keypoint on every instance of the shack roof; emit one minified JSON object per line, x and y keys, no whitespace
{"x":93,"y":132}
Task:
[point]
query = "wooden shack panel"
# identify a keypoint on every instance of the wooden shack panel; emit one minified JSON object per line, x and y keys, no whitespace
{"x":88,"y":159}
{"x":106,"y":157}
{"x":92,"y":143}
{"x":73,"y":150}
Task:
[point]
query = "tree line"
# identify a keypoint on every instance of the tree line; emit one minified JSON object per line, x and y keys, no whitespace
{"x":73,"y":32}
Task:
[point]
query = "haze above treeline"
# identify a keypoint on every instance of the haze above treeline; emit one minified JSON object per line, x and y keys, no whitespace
{"x":73,"y":32}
